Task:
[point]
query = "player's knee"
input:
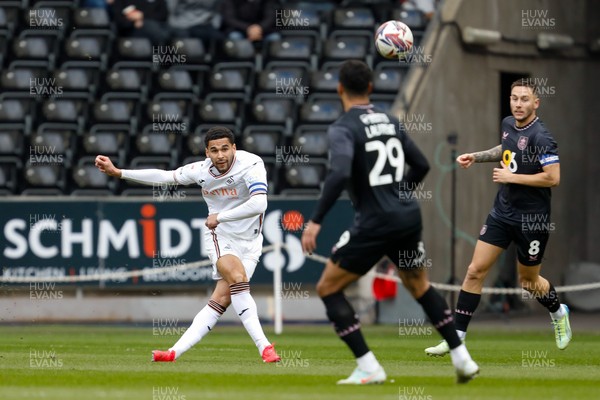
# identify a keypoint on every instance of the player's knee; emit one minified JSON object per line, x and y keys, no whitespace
{"x":324,"y":288}
{"x":476,"y":272}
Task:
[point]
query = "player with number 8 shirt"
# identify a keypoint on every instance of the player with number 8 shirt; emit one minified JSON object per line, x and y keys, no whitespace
{"x":368,"y":150}
{"x":529,"y":167}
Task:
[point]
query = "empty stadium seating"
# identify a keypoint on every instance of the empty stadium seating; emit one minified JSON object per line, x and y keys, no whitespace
{"x":72,"y":88}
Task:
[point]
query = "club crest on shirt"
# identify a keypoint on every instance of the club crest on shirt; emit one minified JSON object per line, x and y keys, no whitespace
{"x":230,"y":181}
{"x":522,"y":143}
{"x":483,"y":230}
{"x":504,"y":135}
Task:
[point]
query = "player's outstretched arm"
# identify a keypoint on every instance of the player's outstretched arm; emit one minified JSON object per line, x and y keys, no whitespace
{"x":143,"y":176}
{"x":492,"y":155}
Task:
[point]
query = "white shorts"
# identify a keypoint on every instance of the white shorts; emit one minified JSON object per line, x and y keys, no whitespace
{"x":248,"y":251}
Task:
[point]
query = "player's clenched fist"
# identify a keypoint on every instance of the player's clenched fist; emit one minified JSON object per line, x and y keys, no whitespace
{"x":465,"y":160}
{"x":105,"y":165}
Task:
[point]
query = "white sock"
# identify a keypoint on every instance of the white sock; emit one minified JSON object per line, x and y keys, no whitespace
{"x":203,"y":323}
{"x":461,"y":335}
{"x":368,"y":362}
{"x":558,"y":314}
{"x":459,"y":355}
{"x":245,"y":308}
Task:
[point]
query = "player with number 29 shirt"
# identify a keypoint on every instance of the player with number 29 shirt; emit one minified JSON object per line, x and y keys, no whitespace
{"x":368,"y":150}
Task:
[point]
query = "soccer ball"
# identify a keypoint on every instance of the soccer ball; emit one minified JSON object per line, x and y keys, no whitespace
{"x":393,"y":39}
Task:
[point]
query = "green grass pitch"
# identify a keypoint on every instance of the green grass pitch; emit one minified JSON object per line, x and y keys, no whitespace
{"x":94,"y":362}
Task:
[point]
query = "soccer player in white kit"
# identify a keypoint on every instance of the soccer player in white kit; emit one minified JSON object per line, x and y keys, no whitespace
{"x":234,"y":186}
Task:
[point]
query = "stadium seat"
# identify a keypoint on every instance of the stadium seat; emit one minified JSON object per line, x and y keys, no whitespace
{"x":153,"y":142}
{"x":108,"y":139}
{"x":70,"y":107}
{"x":272,"y":108}
{"x":321,"y":108}
{"x":326,"y":78}
{"x":91,"y":18}
{"x":18,"y":77}
{"x":9,"y":15}
{"x":414,"y":19}
{"x":306,"y":176}
{"x":223,"y":108}
{"x":312,"y":139}
{"x":45,"y":174}
{"x":17,"y":107}
{"x":36,"y":44}
{"x":12,"y":139}
{"x":75,"y":79}
{"x":353,"y":18}
{"x":242,"y":49}
{"x":9,"y":173}
{"x":175,"y":80}
{"x":89,"y":44}
{"x":58,"y":138}
{"x":117,"y":107}
{"x":79,"y":73}
{"x":49,"y":15}
{"x":192,"y":49}
{"x":347,"y":44}
{"x":388,"y":76}
{"x":284,"y":76}
{"x":87,"y":176}
{"x":295,"y":45}
{"x":125,"y":79}
{"x":263,"y":139}
{"x":176,"y":107}
{"x":236,"y":76}
{"x":134,"y":48}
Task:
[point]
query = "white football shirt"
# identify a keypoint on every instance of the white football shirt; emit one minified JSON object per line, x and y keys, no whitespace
{"x":245,"y":177}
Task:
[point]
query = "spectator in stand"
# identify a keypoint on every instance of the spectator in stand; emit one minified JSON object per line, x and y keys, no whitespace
{"x":250,"y":19}
{"x":142,"y":18}
{"x":195,"y":18}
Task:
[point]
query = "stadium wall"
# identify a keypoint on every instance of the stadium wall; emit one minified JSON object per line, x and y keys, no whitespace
{"x":459,"y":91}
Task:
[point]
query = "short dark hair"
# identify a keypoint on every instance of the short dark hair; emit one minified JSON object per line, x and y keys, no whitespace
{"x":527,"y":82}
{"x":355,"y":77}
{"x":219,"y":132}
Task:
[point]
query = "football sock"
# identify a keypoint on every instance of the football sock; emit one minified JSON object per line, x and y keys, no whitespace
{"x":550,"y":300}
{"x":345,"y":322}
{"x":440,"y":316}
{"x":368,"y":362}
{"x":465,"y":307}
{"x":245,"y":308}
{"x":203,"y":323}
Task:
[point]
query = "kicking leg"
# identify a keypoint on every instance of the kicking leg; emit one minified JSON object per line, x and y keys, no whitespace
{"x":232,"y":270}
{"x":345,"y":321}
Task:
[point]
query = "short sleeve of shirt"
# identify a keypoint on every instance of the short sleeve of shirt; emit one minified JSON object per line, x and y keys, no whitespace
{"x":189,"y":173}
{"x":548,"y":149}
{"x":256,"y":179}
